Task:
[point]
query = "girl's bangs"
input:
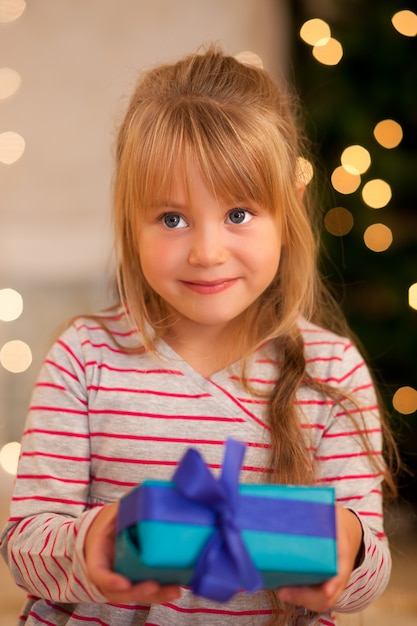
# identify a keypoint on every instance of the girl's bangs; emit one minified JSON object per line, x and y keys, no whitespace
{"x":231,"y":157}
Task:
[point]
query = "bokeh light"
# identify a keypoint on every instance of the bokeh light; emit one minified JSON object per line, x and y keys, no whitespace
{"x":12,"y":146}
{"x":412,"y":296}
{"x":405,"y":400}
{"x":405,"y":22}
{"x":11,"y":10}
{"x":305,"y":171}
{"x":11,"y":305}
{"x":9,"y":82}
{"x":247,"y":57}
{"x":329,"y":53}
{"x":9,"y":457}
{"x":378,"y":237}
{"x":388,"y":133}
{"x":356,"y":159}
{"x":376,"y":193}
{"x":338,"y":221}
{"x":345,"y":182}
{"x":15,"y":356}
{"x":315,"y":31}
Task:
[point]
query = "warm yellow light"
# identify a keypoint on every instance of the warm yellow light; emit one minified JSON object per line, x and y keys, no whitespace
{"x":338,"y":221}
{"x":412,"y":296}
{"x":406,"y":23}
{"x":314,"y":31}
{"x":15,"y":356}
{"x":304,"y":172}
{"x":356,"y":159}
{"x":11,"y":305}
{"x":405,"y":400}
{"x":12,"y":146}
{"x":11,"y":10}
{"x":328,"y":53}
{"x":376,"y":193}
{"x":9,"y":457}
{"x":378,"y":237}
{"x":247,"y":57}
{"x":9,"y":82}
{"x":344,"y":181}
{"x":388,"y":133}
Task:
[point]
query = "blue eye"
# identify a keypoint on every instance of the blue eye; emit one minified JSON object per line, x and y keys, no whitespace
{"x":239,"y":216}
{"x":173,"y":220}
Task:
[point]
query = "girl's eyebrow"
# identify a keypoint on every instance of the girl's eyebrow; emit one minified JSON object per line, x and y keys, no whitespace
{"x":168,"y":204}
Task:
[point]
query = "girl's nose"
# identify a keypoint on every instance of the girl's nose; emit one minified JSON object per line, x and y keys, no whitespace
{"x":208,"y":248}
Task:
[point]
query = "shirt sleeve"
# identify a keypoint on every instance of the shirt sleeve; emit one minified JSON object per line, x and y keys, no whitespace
{"x":50,"y":511}
{"x":349,"y":459}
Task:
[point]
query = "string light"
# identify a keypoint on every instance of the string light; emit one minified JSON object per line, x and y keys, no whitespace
{"x":11,"y":10}
{"x":412,"y":296}
{"x":405,"y":22}
{"x":345,"y":182}
{"x":16,"y":356}
{"x":356,"y":159}
{"x":12,"y":146}
{"x":9,"y":457}
{"x":9,"y":82}
{"x":304,"y":172}
{"x":338,"y":221}
{"x":405,"y":400}
{"x":247,"y":57}
{"x":388,"y":133}
{"x":378,"y":237}
{"x":315,"y":31}
{"x":11,"y":305}
{"x":376,"y":193}
{"x":329,"y":53}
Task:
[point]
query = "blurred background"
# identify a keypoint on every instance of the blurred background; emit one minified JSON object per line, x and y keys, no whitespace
{"x":67,"y":69}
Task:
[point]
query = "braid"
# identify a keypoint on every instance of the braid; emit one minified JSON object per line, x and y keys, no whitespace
{"x":289,"y":460}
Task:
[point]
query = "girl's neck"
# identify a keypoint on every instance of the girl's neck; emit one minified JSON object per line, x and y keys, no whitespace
{"x":208,"y":351}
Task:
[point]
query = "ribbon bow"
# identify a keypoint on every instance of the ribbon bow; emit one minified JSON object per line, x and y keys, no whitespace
{"x":225,"y":565}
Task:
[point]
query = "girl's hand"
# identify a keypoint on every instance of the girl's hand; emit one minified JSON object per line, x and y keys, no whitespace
{"x":99,"y":554}
{"x":321,"y":598}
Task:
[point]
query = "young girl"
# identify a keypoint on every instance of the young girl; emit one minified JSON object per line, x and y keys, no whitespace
{"x":219,"y":332}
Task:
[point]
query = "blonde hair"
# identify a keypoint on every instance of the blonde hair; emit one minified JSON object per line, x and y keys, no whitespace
{"x":241,"y":128}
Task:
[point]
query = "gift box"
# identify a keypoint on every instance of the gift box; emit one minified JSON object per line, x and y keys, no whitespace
{"x":219,"y":537}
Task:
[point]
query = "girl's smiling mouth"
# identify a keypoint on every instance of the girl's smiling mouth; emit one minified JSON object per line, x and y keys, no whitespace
{"x":204,"y":287}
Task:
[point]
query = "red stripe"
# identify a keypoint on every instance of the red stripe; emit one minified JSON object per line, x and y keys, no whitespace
{"x":55,"y":433}
{"x":132,"y":370}
{"x":148,"y":391}
{"x":235,"y":401}
{"x":352,"y":455}
{"x":70,"y":351}
{"x":116,"y":333}
{"x":192,"y":610}
{"x":45,"y":499}
{"x":330,"y":479}
{"x":254,"y":380}
{"x":325,"y":359}
{"x":62,"y":457}
{"x":56,"y":409}
{"x":352,"y":433}
{"x":50,"y":477}
{"x":212,"y":418}
{"x":340,"y":380}
{"x":61,"y":369}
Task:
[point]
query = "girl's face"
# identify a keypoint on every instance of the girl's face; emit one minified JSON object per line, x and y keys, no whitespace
{"x":207,"y":258}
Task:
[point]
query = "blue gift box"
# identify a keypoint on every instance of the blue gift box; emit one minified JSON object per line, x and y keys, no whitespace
{"x":220,"y":537}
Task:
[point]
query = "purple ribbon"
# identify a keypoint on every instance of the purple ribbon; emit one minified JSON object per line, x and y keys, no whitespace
{"x":225,"y":565}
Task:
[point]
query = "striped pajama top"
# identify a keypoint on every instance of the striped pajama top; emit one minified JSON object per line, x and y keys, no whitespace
{"x":101,"y":420}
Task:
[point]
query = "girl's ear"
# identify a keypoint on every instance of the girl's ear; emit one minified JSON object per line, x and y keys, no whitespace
{"x":300,"y":188}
